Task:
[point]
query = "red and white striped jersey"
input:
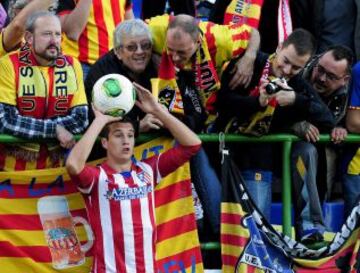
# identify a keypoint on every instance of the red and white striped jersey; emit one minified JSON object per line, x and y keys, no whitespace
{"x":122,"y":211}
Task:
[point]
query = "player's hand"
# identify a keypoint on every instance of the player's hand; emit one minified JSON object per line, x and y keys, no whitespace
{"x":101,"y":117}
{"x":146,"y":101}
{"x":150,"y":122}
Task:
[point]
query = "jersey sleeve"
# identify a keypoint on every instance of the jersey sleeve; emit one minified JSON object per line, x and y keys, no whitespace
{"x":158,"y":27}
{"x":171,"y":159}
{"x":7,"y":82}
{"x":229,"y":41}
{"x":86,"y":179}
{"x":3,"y":52}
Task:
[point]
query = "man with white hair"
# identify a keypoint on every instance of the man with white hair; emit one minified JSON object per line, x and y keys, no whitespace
{"x":131,"y":57}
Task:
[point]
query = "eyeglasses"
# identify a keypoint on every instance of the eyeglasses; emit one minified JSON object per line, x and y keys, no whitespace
{"x":134,"y":47}
{"x":330,"y":76}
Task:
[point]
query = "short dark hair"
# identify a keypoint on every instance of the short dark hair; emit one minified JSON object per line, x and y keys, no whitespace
{"x":126,"y":119}
{"x":302,"y":40}
{"x":341,"y":52}
{"x":186,"y":23}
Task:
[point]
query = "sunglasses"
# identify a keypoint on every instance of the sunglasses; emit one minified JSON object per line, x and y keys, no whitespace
{"x":134,"y":47}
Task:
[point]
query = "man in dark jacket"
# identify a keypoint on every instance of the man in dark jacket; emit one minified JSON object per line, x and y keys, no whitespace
{"x":329,"y":75}
{"x":255,"y":111}
{"x":131,"y":57}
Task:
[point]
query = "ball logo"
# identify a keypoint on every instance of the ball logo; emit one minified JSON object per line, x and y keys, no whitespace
{"x":112,"y":87}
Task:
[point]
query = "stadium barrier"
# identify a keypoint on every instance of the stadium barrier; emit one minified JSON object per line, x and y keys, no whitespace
{"x":285,"y":139}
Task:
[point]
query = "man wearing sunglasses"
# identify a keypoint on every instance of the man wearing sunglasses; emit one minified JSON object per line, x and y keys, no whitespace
{"x":329,"y":75}
{"x":131,"y":57}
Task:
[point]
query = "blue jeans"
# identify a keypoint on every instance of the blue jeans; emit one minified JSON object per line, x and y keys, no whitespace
{"x":258,"y":185}
{"x":351,"y":187}
{"x":208,"y":188}
{"x":308,"y":212}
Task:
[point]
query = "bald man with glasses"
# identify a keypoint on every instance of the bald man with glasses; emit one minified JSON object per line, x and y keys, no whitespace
{"x":329,"y":74}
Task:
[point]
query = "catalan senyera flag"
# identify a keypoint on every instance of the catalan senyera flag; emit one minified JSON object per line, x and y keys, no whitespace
{"x":250,"y":244}
{"x":44,"y":225}
{"x":243,"y":11}
{"x":178,"y":247}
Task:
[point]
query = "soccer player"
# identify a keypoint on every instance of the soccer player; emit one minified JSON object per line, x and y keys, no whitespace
{"x":122,"y":189}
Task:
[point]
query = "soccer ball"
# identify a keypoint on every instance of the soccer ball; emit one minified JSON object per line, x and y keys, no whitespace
{"x":114,"y":95}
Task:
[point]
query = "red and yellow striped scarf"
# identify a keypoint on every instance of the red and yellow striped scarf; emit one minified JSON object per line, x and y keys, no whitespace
{"x":41,"y":99}
{"x":206,"y":81}
{"x":259,"y":123}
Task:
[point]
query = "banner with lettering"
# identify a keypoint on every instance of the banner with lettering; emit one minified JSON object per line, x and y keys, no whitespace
{"x":250,"y":244}
{"x":44,"y":226}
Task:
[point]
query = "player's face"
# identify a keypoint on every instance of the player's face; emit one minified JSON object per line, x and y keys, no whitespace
{"x":120,"y":142}
{"x":288,"y":62}
{"x":135,"y":53}
{"x":46,"y":39}
{"x":180,"y":46}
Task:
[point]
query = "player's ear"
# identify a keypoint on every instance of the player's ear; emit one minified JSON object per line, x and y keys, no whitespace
{"x":104,"y":143}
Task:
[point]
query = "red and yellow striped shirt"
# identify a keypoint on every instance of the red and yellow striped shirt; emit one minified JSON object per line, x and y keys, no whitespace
{"x":224,"y":42}
{"x":97,"y":37}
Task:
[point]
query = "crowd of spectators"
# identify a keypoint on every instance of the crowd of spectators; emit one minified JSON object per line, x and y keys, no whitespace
{"x":212,"y":76}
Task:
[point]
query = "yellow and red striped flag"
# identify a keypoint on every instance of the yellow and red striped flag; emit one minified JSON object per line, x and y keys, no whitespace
{"x":243,"y":11}
{"x":178,"y":247}
{"x":44,"y":228}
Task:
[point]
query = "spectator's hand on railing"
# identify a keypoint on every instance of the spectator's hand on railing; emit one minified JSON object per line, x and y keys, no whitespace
{"x":338,"y":134}
{"x":312,"y":133}
{"x":306,"y":130}
{"x":65,"y":138}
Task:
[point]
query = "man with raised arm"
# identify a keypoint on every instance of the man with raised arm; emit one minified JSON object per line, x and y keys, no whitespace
{"x":122,"y":189}
{"x":42,"y":97}
{"x":12,"y":35}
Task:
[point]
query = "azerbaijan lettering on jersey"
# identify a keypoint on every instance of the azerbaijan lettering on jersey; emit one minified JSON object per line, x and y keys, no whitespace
{"x":120,"y":194}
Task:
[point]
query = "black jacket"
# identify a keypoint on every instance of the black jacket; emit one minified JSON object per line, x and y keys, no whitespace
{"x":109,"y":64}
{"x":307,"y":106}
{"x":237,"y":103}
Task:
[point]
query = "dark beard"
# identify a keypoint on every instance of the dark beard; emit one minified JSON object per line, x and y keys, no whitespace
{"x":46,"y":56}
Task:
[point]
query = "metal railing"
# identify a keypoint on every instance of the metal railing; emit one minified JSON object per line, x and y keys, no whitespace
{"x":285,"y":139}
